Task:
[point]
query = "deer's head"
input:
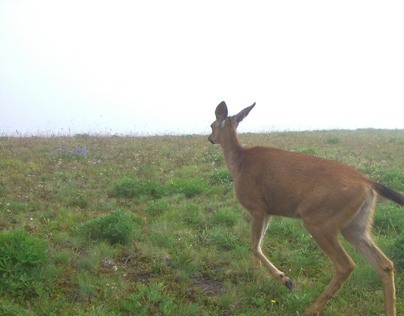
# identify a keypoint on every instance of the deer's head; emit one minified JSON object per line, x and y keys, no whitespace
{"x":224,"y":123}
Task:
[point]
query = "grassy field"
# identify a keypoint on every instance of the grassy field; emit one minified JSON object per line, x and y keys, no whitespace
{"x":149,"y":226}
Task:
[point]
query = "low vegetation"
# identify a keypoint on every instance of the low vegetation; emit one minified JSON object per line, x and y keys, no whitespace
{"x":94,"y":225}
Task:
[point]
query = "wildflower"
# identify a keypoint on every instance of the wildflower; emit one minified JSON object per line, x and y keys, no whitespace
{"x":81,"y":151}
{"x":78,"y":151}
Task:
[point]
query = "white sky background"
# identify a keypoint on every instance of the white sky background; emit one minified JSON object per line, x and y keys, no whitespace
{"x":152,"y":67}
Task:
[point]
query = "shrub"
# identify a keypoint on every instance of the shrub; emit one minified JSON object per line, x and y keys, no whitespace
{"x":21,"y":257}
{"x":134,"y":188}
{"x":115,"y":228}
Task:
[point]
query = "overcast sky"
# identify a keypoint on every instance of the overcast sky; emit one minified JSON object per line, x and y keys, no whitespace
{"x":152,"y":67}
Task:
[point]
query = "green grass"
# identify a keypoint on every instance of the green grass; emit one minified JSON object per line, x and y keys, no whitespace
{"x":149,"y":226}
{"x":22,"y":257}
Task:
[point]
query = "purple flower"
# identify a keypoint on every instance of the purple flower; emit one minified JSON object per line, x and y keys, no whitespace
{"x":78,"y":151}
{"x":81,"y":151}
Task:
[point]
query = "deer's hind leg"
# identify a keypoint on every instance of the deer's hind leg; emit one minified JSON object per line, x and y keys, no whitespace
{"x":328,"y":241}
{"x":357,"y":232}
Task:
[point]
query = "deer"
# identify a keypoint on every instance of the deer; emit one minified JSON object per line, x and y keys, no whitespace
{"x":331,"y":199}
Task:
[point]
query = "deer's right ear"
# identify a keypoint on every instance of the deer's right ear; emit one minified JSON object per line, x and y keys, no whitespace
{"x":221,"y":111}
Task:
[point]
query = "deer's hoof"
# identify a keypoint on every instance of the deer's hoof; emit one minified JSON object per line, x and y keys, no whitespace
{"x":288,"y":283}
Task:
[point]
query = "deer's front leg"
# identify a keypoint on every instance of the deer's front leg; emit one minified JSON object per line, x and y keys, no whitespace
{"x":259,"y":225}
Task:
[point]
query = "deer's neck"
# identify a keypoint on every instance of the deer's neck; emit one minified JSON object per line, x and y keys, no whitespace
{"x":233,"y":152}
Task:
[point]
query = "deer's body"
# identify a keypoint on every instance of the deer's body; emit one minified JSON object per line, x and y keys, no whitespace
{"x":330,"y":197}
{"x":290,"y":184}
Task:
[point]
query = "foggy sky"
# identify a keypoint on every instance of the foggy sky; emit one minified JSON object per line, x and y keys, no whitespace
{"x":155,"y":67}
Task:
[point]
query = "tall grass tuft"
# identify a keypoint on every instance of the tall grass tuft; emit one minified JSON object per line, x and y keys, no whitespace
{"x":115,"y":228}
{"x":135,"y":188}
{"x":189,"y":188}
{"x":21,"y":258}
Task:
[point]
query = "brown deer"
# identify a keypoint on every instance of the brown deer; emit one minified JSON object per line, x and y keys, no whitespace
{"x":329,"y":197}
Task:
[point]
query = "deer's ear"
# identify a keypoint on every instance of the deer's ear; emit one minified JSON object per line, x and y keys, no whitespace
{"x":239,"y":117}
{"x":221,"y":111}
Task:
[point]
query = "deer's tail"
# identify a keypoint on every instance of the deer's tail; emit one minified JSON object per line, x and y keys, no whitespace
{"x":388,"y":193}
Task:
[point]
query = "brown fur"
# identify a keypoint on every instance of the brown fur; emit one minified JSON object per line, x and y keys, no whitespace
{"x":330,"y":197}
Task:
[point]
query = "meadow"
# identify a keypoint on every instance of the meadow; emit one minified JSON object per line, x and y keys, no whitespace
{"x":97,"y":225}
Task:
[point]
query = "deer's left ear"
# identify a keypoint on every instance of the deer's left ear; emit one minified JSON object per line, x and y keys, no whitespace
{"x":221,"y":111}
{"x":240,"y":116}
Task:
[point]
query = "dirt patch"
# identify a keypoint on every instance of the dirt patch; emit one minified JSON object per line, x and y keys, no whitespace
{"x":206,"y":286}
{"x":137,"y":266}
